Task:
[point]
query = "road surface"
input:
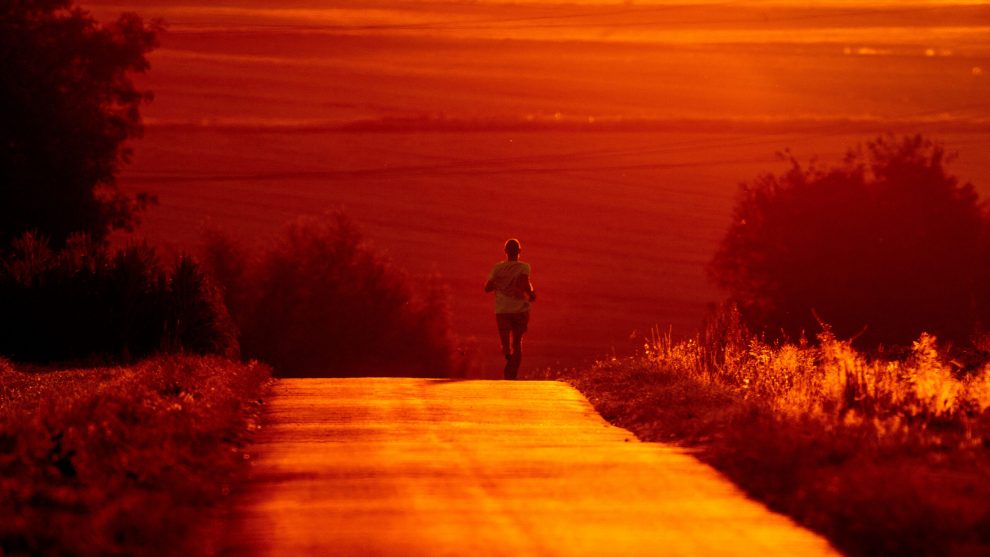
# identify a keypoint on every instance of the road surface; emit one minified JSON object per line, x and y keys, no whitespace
{"x":416,"y":467}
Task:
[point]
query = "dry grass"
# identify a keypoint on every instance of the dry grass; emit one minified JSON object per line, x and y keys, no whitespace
{"x":124,"y":460}
{"x":882,"y":457}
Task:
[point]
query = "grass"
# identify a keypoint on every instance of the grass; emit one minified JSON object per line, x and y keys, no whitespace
{"x":881,"y":457}
{"x":122,"y":460}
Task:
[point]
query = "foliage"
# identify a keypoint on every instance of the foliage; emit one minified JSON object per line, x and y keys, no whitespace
{"x":69,"y":105}
{"x":883,"y":457}
{"x":883,"y":247}
{"x":832,"y":382}
{"x":319,"y":301}
{"x":87,"y":300}
{"x":122,"y":461}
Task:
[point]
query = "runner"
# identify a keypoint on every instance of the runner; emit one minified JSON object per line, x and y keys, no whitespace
{"x":509,"y":280}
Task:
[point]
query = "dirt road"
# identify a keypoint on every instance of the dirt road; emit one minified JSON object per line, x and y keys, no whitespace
{"x":432,"y":467}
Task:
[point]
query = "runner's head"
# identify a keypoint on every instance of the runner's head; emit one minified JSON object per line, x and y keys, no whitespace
{"x":512,"y":247}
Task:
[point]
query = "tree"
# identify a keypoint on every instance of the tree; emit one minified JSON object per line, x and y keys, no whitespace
{"x":68,"y":106}
{"x":321,"y":302}
{"x":882,"y":247}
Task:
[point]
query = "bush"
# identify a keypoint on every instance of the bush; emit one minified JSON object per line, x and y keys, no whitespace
{"x":320,"y":302}
{"x":88,"y":301}
{"x":883,"y":247}
{"x":123,"y":461}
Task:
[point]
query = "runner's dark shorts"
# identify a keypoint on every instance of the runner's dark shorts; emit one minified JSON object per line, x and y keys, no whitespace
{"x":515,"y":322}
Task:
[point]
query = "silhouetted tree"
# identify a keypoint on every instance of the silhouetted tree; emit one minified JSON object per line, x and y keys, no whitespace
{"x":884,"y":246}
{"x":87,"y":300}
{"x":320,"y":301}
{"x":68,"y":105}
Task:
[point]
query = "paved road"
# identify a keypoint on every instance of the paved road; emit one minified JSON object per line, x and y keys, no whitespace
{"x":415,"y":467}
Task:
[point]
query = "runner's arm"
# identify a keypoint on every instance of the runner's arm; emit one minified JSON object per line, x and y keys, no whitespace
{"x":526,"y":287}
{"x":489,"y":286}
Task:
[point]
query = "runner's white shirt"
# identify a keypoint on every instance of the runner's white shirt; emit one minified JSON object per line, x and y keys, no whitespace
{"x":509,"y":297}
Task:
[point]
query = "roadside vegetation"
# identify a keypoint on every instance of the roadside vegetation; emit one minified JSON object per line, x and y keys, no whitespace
{"x":124,"y":410}
{"x":318,"y":300}
{"x":882,"y":246}
{"x":122,"y":461}
{"x":88,"y":302}
{"x":882,"y":457}
{"x":872,"y":432}
{"x":97,"y":459}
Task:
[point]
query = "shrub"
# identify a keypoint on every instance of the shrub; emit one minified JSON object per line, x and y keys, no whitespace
{"x":196,"y":318}
{"x":122,"y":461}
{"x":883,"y":247}
{"x":319,"y":301}
{"x":89,"y":301}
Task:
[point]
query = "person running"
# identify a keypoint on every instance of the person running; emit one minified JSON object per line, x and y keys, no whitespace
{"x":509,"y":280}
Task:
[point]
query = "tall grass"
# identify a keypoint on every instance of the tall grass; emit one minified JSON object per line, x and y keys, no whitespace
{"x":883,"y":456}
{"x":833,"y":383}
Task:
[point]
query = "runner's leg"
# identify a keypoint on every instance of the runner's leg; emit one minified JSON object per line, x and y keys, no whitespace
{"x":520,"y":324}
{"x":516,"y":352}
{"x":503,"y":336}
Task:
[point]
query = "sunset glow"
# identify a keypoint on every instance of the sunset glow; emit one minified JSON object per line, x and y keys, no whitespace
{"x":495,"y":277}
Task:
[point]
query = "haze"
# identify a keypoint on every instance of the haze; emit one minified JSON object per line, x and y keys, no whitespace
{"x":610,"y":138}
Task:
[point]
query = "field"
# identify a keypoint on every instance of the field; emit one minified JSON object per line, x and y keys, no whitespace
{"x":609,"y":139}
{"x":618,"y":226}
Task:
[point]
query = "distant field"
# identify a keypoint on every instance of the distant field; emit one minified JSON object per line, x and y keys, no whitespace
{"x":491,"y":120}
{"x":618,"y":226}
